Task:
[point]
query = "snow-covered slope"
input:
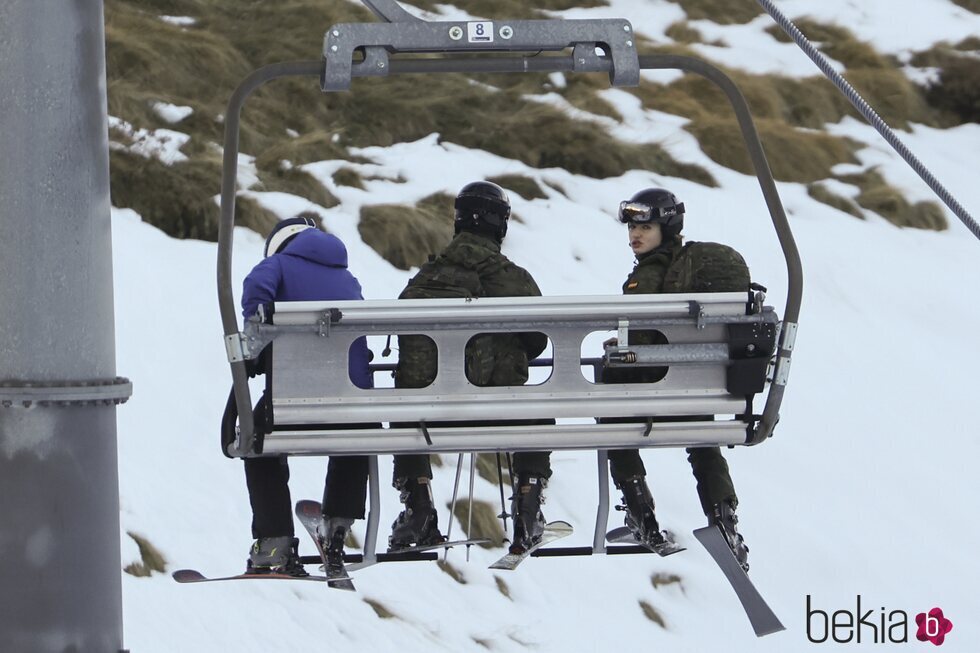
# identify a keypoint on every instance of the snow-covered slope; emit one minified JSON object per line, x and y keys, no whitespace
{"x":866,"y":489}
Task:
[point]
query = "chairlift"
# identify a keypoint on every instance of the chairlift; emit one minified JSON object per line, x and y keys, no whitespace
{"x":726,"y":353}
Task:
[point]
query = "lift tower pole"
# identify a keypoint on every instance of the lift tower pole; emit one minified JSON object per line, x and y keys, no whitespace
{"x":60,"y":570}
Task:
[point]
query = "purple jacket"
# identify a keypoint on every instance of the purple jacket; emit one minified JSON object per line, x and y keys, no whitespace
{"x":312,"y":267}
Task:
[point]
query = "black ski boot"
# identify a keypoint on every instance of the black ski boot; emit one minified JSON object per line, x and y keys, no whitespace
{"x":418,"y":523}
{"x":641,"y":517}
{"x":526,"y":503}
{"x":275,"y":555}
{"x":723,"y":516}
{"x":334,"y":533}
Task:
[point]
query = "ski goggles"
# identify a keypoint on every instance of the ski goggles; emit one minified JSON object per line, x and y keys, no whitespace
{"x":641,"y":213}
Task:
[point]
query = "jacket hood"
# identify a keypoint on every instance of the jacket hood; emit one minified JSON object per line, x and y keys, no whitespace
{"x":319,"y":247}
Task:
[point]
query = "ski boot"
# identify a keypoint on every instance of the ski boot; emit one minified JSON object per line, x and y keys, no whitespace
{"x":275,"y":555}
{"x":529,"y":522}
{"x":723,"y":516}
{"x":641,"y":517}
{"x":418,"y":523}
{"x":333,"y":532}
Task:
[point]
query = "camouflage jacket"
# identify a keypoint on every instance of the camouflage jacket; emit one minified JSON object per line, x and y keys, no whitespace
{"x":471,"y":266}
{"x":674,"y":268}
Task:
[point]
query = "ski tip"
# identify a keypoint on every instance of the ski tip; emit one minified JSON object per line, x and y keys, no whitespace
{"x":187,"y":576}
{"x":558,"y":526}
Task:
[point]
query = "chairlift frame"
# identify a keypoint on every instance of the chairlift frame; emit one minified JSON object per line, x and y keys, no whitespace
{"x":388,"y":48}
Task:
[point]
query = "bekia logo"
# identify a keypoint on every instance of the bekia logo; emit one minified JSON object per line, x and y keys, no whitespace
{"x":873,"y":626}
{"x":932,"y":626}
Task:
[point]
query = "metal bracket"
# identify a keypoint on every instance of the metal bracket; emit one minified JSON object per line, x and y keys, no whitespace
{"x":106,"y":392}
{"x":782,"y":370}
{"x":697,"y":311}
{"x":236,"y":347}
{"x":789,"y":336}
{"x":376,"y":40}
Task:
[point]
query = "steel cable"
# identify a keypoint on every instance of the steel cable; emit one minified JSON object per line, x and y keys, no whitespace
{"x":870,"y":115}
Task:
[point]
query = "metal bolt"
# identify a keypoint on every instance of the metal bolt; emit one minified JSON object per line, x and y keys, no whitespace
{"x":506,"y":32}
{"x":336,"y":33}
{"x":626,"y":28}
{"x":581,"y":62}
{"x":455,"y":32}
{"x":333,"y":48}
{"x":629,"y":44}
{"x":381,"y":65}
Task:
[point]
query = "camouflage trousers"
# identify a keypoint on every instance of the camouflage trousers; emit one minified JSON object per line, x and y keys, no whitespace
{"x":708,"y":465}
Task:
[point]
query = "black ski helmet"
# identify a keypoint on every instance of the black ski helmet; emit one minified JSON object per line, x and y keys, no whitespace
{"x":283,"y":232}
{"x":484,"y":207}
{"x":654,"y":205}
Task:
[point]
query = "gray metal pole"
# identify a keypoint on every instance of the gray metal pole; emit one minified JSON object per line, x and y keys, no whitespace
{"x":59,"y":497}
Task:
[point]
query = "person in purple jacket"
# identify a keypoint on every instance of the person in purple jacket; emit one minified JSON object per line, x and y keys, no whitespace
{"x":303,"y":263}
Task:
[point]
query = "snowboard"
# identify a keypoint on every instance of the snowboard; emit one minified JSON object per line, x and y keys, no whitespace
{"x":310,"y":516}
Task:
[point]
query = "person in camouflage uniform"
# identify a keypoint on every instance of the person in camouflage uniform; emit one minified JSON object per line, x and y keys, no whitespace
{"x":471,"y":266}
{"x":665,"y":265}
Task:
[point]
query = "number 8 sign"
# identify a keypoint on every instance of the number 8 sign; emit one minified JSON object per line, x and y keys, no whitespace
{"x":479,"y":32}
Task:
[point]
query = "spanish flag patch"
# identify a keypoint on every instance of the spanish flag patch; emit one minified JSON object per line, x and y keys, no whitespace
{"x":632,"y":284}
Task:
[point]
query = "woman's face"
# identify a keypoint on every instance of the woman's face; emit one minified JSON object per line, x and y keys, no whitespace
{"x":645,"y":237}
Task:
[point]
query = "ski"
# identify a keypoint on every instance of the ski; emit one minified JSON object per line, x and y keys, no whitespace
{"x":764,"y":621}
{"x":437,"y":545}
{"x":552,"y":531}
{"x":310,"y":516}
{"x":194,"y":576}
{"x":624,"y":535}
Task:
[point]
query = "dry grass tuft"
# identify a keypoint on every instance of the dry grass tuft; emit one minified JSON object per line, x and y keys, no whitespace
{"x":876,"y":195}
{"x":723,"y":12}
{"x":150,"y":558}
{"x":794,"y":155}
{"x":380,"y":609}
{"x":502,"y":587}
{"x":405,"y":236}
{"x":822,"y":194}
{"x":653,"y":614}
{"x":485,"y":522}
{"x":526,"y":187}
{"x":453,"y":573}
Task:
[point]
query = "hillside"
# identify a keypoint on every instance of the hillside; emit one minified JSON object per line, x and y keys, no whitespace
{"x":865,"y":488}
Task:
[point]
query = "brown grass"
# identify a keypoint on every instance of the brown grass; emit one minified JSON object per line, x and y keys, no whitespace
{"x":878,"y":196}
{"x":150,"y":558}
{"x":453,"y":573}
{"x":822,"y":194}
{"x":723,"y":12}
{"x":794,"y":155}
{"x":405,"y":236}
{"x":653,"y":614}
{"x":485,"y":522}
{"x":380,"y":609}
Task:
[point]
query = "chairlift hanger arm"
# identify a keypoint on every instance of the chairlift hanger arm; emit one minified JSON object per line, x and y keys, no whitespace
{"x":377,"y":40}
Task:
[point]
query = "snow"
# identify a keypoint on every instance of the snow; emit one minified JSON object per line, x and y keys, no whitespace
{"x":172,"y":113}
{"x":867,"y":488}
{"x":180,"y":21}
{"x":162,"y":144}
